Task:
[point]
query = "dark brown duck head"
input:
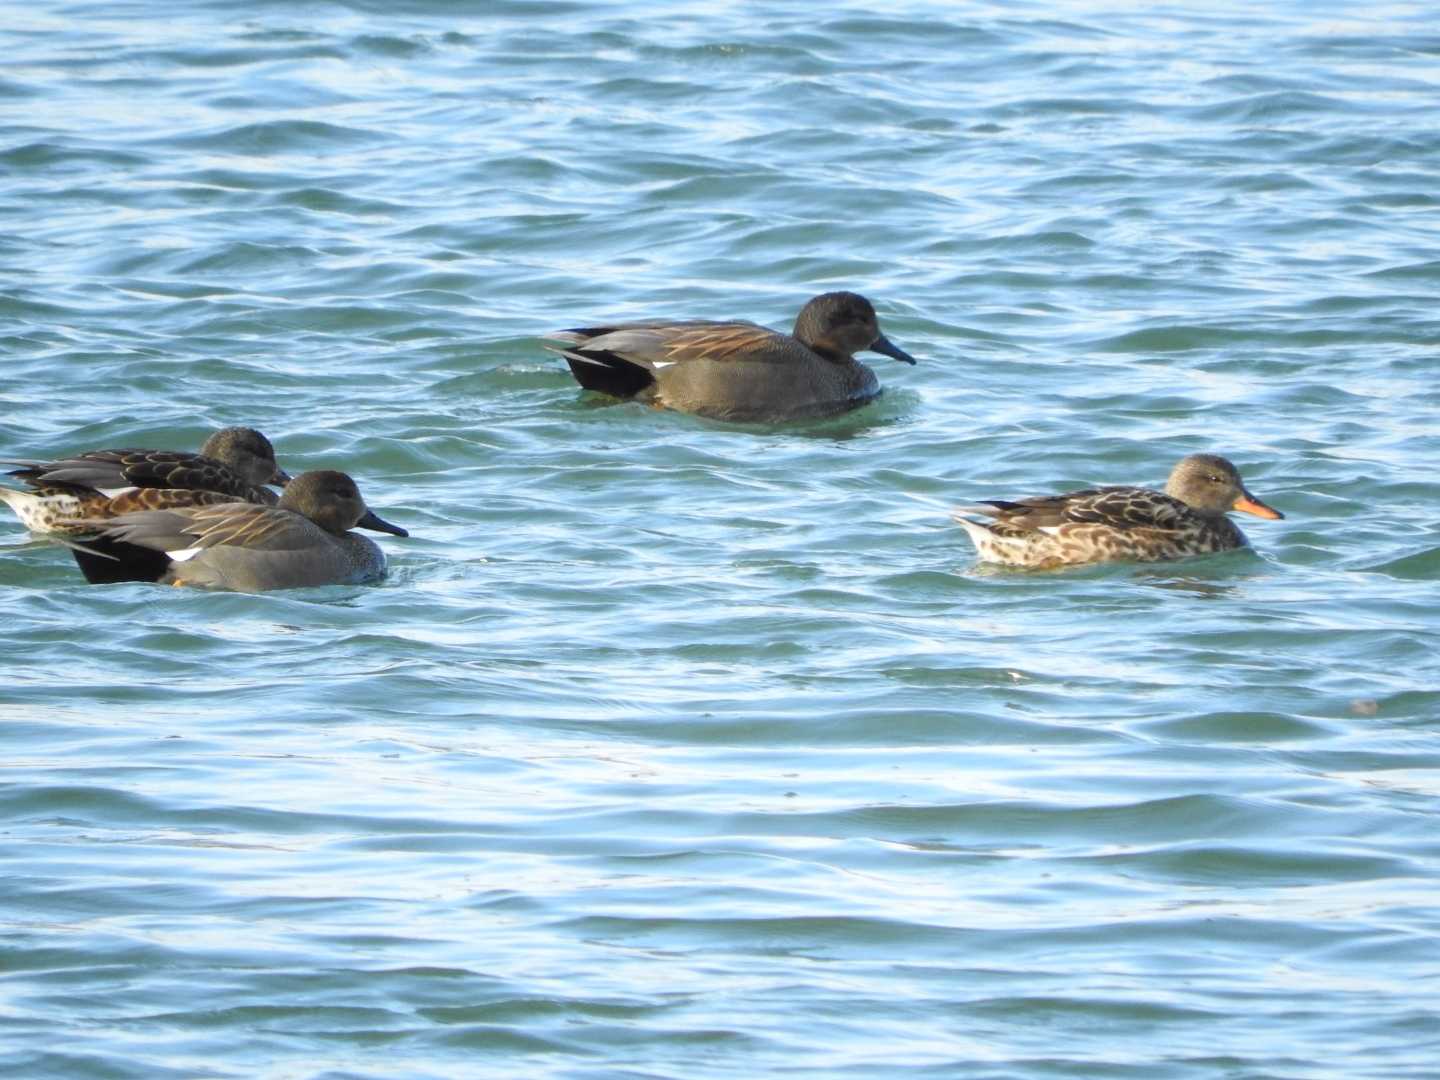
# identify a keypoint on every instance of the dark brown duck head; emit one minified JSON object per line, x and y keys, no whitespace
{"x":247,"y":452}
{"x":837,"y":325}
{"x":1211,"y":485}
{"x":332,"y":501}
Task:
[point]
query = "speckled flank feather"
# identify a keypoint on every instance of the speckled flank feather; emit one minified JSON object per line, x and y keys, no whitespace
{"x":40,"y":511}
{"x":1113,"y":524}
{"x":1077,"y":543}
{"x":53,"y":510}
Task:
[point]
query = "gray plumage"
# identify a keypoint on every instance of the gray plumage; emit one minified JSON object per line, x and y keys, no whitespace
{"x":737,"y":370}
{"x":304,"y":541}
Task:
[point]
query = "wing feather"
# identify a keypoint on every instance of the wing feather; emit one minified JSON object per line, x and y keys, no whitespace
{"x":1115,"y":507}
{"x":232,"y":523}
{"x":118,"y":469}
{"x":659,"y":344}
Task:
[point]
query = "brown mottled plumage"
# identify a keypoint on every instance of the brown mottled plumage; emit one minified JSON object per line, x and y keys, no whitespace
{"x":1118,"y":523}
{"x":737,"y":370}
{"x":305,"y":540}
{"x":233,"y":464}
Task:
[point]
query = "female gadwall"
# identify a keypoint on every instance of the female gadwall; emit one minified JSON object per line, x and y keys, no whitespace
{"x":737,"y":370}
{"x":245,"y":546}
{"x":1117,"y":523}
{"x":234,"y":464}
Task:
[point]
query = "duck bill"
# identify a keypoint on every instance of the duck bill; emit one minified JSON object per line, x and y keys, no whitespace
{"x":375,"y":523}
{"x":1249,"y":504}
{"x":281,"y":477}
{"x":888,"y":348}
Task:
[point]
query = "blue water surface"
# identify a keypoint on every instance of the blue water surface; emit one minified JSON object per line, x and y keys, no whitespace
{"x":676,"y":749}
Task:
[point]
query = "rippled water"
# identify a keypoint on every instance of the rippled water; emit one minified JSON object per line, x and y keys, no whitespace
{"x":677,"y":749}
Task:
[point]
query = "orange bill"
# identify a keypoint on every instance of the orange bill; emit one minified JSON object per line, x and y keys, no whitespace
{"x":1249,"y":504}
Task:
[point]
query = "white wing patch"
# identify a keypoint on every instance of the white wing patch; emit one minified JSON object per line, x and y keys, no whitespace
{"x":184,"y":554}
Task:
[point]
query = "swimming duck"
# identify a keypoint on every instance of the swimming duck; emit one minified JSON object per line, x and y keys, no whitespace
{"x":1118,"y":523}
{"x":302,"y":541}
{"x":737,"y":370}
{"x":235,"y":463}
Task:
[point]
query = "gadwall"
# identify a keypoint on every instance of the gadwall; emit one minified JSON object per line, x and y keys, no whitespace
{"x":737,"y":370}
{"x":245,"y":546}
{"x":234,"y":464}
{"x":1119,"y":523}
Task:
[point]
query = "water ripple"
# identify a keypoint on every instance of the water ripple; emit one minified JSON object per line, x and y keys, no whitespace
{"x":675,"y":748}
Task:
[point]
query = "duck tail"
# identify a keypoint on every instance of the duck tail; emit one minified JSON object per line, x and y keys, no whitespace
{"x":606,"y":372}
{"x":974,"y":510}
{"x":978,"y":530}
{"x":15,"y":498}
{"x":29,"y":507}
{"x":105,"y":561}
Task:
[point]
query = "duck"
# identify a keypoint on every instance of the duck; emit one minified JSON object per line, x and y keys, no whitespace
{"x":303,"y":540}
{"x":235,"y":463}
{"x":737,"y":370}
{"x":1113,"y":524}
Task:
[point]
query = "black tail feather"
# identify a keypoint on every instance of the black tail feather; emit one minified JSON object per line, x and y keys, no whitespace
{"x":609,"y":374}
{"x":105,"y":562}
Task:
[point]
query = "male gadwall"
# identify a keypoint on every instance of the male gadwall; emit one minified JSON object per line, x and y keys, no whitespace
{"x":737,"y":370}
{"x":245,"y":546}
{"x":234,"y":464}
{"x":1119,"y":523}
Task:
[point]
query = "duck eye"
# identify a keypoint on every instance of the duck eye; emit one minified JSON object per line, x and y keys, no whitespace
{"x":1215,"y":478}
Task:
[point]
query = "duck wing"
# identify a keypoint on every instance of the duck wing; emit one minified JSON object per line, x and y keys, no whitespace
{"x":658,"y":345}
{"x":1115,"y":507}
{"x":184,"y":532}
{"x":114,"y":470}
